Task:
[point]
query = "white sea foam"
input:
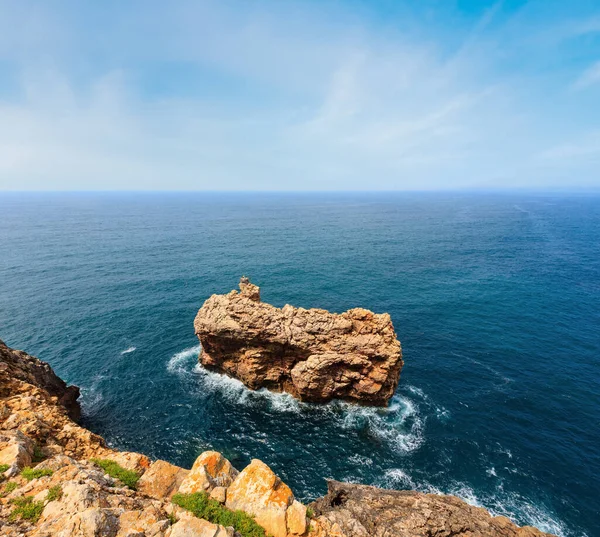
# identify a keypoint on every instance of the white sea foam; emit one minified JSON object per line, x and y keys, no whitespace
{"x":177,"y":363}
{"x":399,"y":425}
{"x":128,"y":350}
{"x":396,"y":478}
{"x":92,"y":398}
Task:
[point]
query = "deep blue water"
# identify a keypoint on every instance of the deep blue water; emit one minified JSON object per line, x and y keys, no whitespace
{"x":496,"y":299}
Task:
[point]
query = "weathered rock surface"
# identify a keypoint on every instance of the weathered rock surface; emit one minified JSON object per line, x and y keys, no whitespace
{"x":312,"y":354}
{"x":258,"y":491}
{"x":161,"y":480}
{"x":210,"y":470}
{"x":361,"y":511}
{"x":21,"y":366}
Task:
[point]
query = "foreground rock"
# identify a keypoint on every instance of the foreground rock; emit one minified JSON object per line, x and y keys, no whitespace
{"x":360,"y":511}
{"x":71,"y":496}
{"x":312,"y":354}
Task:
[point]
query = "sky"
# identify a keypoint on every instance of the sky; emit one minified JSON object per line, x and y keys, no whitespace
{"x":307,"y":95}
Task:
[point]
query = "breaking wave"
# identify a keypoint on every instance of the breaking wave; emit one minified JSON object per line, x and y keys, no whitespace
{"x":128,"y":350}
{"x":399,"y":425}
{"x":179,"y":361}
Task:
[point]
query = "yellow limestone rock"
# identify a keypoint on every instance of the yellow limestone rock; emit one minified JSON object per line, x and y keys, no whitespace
{"x":210,"y":470}
{"x":296,"y":518}
{"x":161,"y":480}
{"x":259,"y":492}
{"x":197,"y":527}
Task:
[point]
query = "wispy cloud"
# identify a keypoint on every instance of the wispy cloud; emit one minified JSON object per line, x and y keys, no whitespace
{"x":589,"y":77}
{"x":234,"y":95}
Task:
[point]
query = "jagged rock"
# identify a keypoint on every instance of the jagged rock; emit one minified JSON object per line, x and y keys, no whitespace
{"x":313,"y":354}
{"x":21,"y":366}
{"x":295,"y":517}
{"x":196,"y":527}
{"x":361,"y":511}
{"x":219,"y":494}
{"x":16,"y":450}
{"x":258,"y":491}
{"x":161,"y":480}
{"x":210,"y":470}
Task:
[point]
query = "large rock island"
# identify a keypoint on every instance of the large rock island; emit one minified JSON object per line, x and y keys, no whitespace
{"x":312,"y":354}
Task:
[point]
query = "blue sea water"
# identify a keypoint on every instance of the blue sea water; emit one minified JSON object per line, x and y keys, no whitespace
{"x":495,"y":297}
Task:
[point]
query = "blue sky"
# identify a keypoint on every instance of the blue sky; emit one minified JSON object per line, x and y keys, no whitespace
{"x":311,"y":95}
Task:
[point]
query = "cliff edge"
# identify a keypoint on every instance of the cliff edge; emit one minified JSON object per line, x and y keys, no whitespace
{"x":312,"y":354}
{"x":58,"y":479}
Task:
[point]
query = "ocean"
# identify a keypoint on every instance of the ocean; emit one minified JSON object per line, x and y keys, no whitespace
{"x":495,"y":298}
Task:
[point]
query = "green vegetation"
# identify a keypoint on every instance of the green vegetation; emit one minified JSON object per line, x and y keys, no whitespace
{"x":309,"y":512}
{"x":26,"y":508}
{"x":127,"y":477}
{"x":32,"y":473}
{"x":172,"y":518}
{"x":203,"y":507}
{"x":54,"y":493}
{"x":4,"y":467}
{"x":9,"y":487}
{"x":38,"y":454}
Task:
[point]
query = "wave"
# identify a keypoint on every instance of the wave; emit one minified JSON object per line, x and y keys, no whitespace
{"x":399,"y":425}
{"x":177,"y":363}
{"x":128,"y":350}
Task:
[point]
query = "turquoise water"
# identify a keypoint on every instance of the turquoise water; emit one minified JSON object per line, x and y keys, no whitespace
{"x":496,"y":299}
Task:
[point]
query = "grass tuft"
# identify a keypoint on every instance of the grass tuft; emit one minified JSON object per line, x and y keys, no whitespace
{"x":127,"y":477}
{"x":38,"y":454}
{"x":309,"y":512}
{"x":26,"y":509}
{"x":172,"y":518}
{"x":54,"y":493}
{"x":33,"y":473}
{"x":9,"y":487}
{"x":203,"y":507}
{"x":4,"y":467}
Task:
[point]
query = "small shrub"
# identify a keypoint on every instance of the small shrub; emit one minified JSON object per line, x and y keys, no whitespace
{"x":54,"y":493}
{"x":172,"y":518}
{"x":127,"y":477}
{"x":9,"y":487}
{"x":4,"y":467}
{"x":38,"y":454}
{"x":203,"y":507}
{"x":26,"y":509}
{"x":35,"y":473}
{"x":309,"y":512}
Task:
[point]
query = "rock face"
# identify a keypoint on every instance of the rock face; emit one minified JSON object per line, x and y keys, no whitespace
{"x":362,"y":511}
{"x":20,"y":366}
{"x":258,"y":491}
{"x":312,"y":354}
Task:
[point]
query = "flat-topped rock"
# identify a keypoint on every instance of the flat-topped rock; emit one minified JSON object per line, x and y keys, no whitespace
{"x":312,"y":354}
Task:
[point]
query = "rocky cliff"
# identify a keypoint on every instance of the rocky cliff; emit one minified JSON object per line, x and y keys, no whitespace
{"x":312,"y":354}
{"x":58,"y":479}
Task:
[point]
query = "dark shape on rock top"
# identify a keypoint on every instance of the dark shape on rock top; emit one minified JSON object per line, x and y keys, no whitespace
{"x":312,"y":354}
